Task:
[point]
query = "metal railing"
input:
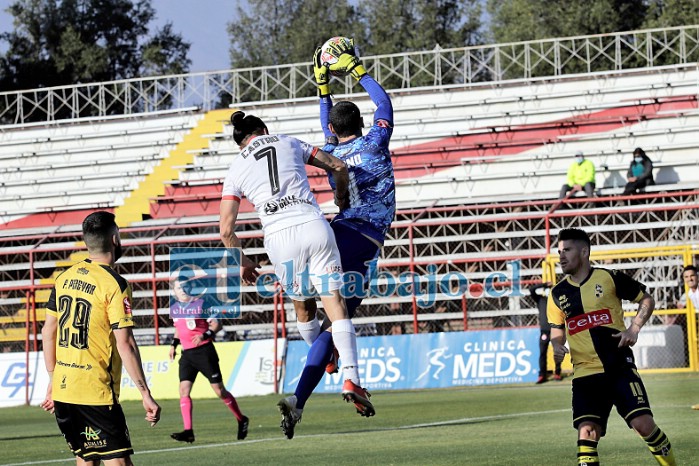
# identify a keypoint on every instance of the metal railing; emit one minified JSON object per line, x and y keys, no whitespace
{"x":435,"y":68}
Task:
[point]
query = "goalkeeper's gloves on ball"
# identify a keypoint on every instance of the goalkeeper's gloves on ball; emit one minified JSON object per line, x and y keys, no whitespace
{"x":321,"y":74}
{"x":344,"y":45}
{"x":348,"y":63}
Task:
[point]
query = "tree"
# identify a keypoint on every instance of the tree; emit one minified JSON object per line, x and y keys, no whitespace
{"x":522,"y":20}
{"x":277,"y":32}
{"x":668,"y":13}
{"x":526,"y":20}
{"x":397,"y":26}
{"x":76,"y":41}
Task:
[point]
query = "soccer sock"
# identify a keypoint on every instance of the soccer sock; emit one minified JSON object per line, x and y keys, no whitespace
{"x":233,"y":406}
{"x":186,"y":409}
{"x":346,"y":343}
{"x":309,"y":330}
{"x":659,"y":445}
{"x":314,"y":370}
{"x":587,"y":452}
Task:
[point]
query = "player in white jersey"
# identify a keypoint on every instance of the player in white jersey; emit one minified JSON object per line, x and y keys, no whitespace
{"x":270,"y":172}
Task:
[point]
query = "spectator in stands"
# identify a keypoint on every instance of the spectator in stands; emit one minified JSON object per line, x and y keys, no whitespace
{"x":581,"y":175}
{"x":689,"y":276}
{"x":540,"y":295}
{"x":691,"y":281}
{"x":640,"y":172}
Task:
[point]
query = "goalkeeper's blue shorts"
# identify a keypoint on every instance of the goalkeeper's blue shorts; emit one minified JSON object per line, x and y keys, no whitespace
{"x":356,"y":252}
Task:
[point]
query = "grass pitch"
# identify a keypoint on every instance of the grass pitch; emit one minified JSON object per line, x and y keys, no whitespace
{"x":500,"y":425}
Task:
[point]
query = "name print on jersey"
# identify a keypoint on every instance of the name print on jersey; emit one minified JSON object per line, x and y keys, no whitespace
{"x":257,"y":143}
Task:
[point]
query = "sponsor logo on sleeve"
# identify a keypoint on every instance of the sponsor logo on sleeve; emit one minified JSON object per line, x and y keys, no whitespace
{"x":127,"y":306}
{"x":580,"y":323}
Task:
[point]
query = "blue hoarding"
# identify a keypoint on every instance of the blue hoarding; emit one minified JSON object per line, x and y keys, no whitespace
{"x":434,"y":360}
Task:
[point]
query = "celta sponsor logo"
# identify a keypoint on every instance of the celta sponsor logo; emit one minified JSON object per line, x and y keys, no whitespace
{"x":493,"y":359}
{"x":587,"y":321}
{"x":378,"y":365}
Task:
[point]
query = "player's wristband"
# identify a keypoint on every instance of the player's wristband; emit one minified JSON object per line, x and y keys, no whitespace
{"x":358,"y":72}
{"x":208,"y":335}
{"x":175,"y":342}
{"x":323,"y":89}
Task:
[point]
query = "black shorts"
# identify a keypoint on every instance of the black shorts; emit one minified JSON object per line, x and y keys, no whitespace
{"x":202,"y":359}
{"x":594,"y":395}
{"x":94,"y":432}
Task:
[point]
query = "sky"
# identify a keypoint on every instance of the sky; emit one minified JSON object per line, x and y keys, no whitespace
{"x":202,"y":23}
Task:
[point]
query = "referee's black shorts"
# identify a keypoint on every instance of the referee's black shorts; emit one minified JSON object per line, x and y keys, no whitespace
{"x":594,"y":395}
{"x":202,"y":359}
{"x":94,"y":432}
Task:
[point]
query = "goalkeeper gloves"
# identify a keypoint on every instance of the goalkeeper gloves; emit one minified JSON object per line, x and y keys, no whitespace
{"x":348,"y":63}
{"x":321,"y":74}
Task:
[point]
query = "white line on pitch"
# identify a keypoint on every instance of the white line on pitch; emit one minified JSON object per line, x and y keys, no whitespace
{"x":276,"y":439}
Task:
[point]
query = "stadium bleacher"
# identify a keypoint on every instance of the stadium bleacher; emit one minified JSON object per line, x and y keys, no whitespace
{"x":478,"y":169}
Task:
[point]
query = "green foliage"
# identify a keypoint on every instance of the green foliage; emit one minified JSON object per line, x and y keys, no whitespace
{"x":667,"y":13}
{"x":526,"y":20}
{"x":288,"y":32}
{"x":522,"y":20}
{"x":396,"y":26}
{"x":70,"y":41}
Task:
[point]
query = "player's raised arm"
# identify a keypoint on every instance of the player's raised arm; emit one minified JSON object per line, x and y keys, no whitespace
{"x":338,"y":170}
{"x":131,"y":357}
{"x":349,"y":63}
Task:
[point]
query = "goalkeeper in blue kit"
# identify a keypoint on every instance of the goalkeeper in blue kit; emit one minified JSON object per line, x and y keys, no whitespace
{"x":361,"y":228}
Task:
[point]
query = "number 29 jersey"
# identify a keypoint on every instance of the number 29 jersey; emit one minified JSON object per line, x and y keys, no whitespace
{"x":89,"y":300}
{"x":270,"y":171}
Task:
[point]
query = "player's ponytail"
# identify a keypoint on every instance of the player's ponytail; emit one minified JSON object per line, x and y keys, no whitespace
{"x":244,"y":126}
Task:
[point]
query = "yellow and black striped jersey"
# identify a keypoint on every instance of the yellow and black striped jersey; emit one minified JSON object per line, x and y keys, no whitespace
{"x":89,"y":300}
{"x":591,"y":313}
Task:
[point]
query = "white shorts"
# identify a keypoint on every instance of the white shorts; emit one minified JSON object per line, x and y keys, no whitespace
{"x":306,"y":259}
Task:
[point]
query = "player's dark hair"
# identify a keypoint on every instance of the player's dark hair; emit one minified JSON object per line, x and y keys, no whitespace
{"x":690,"y":267}
{"x":574,"y":234}
{"x":345,"y":118}
{"x":98,"y":229}
{"x":244,"y":126}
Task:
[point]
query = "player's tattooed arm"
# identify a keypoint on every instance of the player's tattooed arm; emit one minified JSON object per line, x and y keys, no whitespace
{"x":645,"y":310}
{"x":340,"y":175}
{"x":629,"y":337}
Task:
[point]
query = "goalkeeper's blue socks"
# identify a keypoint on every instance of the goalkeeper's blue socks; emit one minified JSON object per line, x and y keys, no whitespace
{"x":318,"y":356}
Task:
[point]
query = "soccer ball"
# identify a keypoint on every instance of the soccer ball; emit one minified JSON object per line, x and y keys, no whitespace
{"x":329,"y":51}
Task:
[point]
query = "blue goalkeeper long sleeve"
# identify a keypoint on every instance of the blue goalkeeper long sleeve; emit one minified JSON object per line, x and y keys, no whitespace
{"x":368,"y":159}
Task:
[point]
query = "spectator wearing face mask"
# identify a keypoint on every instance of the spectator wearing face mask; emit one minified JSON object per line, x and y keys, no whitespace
{"x":581,"y":175}
{"x":640,"y":172}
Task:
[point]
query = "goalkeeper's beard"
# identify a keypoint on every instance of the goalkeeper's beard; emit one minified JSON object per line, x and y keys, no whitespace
{"x":117,"y":252}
